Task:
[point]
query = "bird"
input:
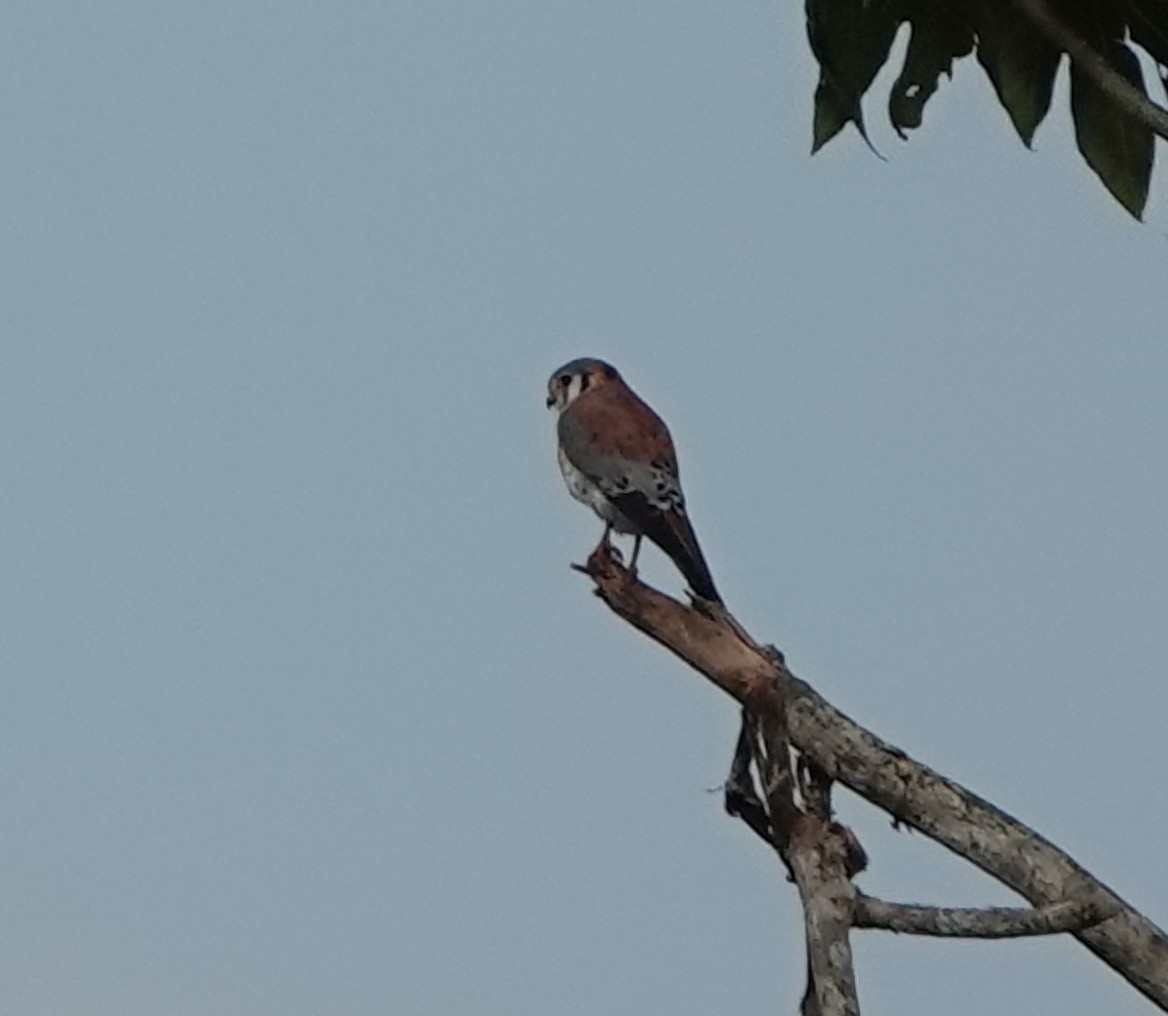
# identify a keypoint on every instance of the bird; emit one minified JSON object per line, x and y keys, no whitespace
{"x":617,"y":457}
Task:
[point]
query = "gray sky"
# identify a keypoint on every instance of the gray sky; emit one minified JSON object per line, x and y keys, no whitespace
{"x":304,"y":711}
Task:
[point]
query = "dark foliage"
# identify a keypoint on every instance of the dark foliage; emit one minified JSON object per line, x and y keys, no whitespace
{"x":851,"y":40}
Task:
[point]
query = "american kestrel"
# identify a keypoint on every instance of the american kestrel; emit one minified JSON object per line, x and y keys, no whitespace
{"x":617,"y":457}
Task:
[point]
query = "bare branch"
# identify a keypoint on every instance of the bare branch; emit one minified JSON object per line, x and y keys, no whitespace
{"x":706,"y":641}
{"x":909,"y":791}
{"x":981,"y":922}
{"x":741,"y":797}
{"x":1125,"y":95}
{"x":816,"y":856}
{"x":973,"y":828}
{"x":771,"y":754}
{"x":818,"y":859}
{"x":819,"y":856}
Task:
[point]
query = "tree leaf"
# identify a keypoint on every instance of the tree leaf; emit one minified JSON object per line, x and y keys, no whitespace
{"x":850,"y":39}
{"x":1152,"y":36}
{"x":937,"y":40}
{"x":1117,"y":147}
{"x":1020,"y":64}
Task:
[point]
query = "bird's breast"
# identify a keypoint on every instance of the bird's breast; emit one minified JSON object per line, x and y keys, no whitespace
{"x":585,"y":490}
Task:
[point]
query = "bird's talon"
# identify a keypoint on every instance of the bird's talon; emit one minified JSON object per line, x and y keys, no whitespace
{"x":609,"y":551}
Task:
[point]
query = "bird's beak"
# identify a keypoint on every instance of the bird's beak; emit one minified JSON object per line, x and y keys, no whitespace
{"x":551,"y":401}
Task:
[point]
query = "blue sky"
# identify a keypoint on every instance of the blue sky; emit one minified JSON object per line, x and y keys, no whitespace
{"x":305,"y":712}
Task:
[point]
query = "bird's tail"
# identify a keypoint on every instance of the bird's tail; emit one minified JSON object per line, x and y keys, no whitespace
{"x":679,"y":541}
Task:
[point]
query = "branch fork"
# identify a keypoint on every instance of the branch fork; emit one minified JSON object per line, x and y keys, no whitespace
{"x":794,"y":745}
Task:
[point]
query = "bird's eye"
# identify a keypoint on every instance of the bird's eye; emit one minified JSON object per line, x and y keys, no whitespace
{"x":565,"y":379}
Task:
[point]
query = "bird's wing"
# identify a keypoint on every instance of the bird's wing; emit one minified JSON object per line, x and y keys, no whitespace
{"x":620,"y":444}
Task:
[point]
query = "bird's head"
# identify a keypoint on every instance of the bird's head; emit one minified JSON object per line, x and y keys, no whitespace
{"x":574,"y":378}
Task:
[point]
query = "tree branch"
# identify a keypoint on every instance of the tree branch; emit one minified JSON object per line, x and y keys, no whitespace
{"x":817,"y":858}
{"x":973,"y":828}
{"x":980,"y":922}
{"x":1125,"y":95}
{"x":818,"y":862}
{"x":709,"y":640}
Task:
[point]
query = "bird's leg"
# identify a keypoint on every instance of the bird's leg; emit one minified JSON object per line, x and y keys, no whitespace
{"x":636,"y":551}
{"x":607,"y":547}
